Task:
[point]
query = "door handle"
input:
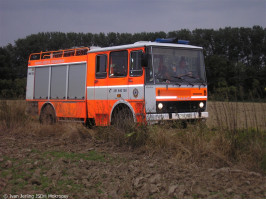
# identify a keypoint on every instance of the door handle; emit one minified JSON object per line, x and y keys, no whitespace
{"x":130,"y":80}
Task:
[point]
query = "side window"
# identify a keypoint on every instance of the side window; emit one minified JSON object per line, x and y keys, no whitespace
{"x":101,"y":63}
{"x":135,"y":63}
{"x":149,"y":73}
{"x":118,"y":64}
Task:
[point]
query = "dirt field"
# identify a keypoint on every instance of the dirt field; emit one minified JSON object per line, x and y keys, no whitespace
{"x":74,"y":162}
{"x":79,"y":167}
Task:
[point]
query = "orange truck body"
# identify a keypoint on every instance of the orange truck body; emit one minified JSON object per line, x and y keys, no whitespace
{"x":79,"y":85}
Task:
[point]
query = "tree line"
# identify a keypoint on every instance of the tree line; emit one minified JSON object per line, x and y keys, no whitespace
{"x":234,"y":57}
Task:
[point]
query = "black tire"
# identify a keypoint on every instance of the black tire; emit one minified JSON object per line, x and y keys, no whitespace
{"x":122,"y":118}
{"x":90,"y":123}
{"x":184,"y":124}
{"x":47,"y":115}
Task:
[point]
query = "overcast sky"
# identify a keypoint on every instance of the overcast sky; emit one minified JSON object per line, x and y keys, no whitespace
{"x":19,"y":18}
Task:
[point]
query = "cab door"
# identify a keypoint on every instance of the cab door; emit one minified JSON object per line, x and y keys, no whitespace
{"x":136,"y":76}
{"x":101,"y":90}
{"x":118,"y":79}
{"x":136,"y":84}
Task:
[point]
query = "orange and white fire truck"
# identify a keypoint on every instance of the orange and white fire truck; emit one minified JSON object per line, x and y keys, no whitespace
{"x":150,"y":81}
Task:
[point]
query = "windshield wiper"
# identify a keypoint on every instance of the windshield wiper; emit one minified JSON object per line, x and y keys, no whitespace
{"x":190,"y":76}
{"x":180,"y":77}
{"x":162,"y":79}
{"x":165,"y":79}
{"x":177,"y":77}
{"x":176,"y":83}
{"x":202,"y":82}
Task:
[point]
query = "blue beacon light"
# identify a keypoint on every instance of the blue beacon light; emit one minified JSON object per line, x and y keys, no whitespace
{"x":171,"y":40}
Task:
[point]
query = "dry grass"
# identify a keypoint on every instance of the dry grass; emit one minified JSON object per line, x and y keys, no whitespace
{"x":204,"y":146}
{"x":14,"y":120}
{"x":235,"y":135}
{"x":237,"y":115}
{"x":12,"y":115}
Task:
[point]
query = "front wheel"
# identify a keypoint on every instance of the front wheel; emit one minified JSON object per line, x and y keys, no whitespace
{"x":122,"y":118}
{"x":47,"y":115}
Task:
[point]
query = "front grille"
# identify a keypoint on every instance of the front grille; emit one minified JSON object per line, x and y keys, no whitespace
{"x":180,"y":106}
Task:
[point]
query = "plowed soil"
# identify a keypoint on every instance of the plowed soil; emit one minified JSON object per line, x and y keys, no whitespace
{"x":77,"y":166}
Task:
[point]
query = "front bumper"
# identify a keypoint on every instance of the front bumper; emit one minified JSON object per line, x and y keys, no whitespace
{"x":177,"y":116}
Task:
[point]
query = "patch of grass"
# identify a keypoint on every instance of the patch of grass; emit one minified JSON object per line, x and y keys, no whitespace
{"x":12,"y":115}
{"x":226,"y":144}
{"x":18,"y":183}
{"x":195,"y":196}
{"x":263,"y":163}
{"x":5,"y":172}
{"x":235,"y":135}
{"x":100,"y":191}
{"x":92,"y":155}
{"x":236,"y":115}
{"x":97,"y":187}
{"x":62,"y":185}
{"x":217,"y":194}
{"x":45,"y":182}
{"x":128,"y":195}
{"x":35,"y":151}
{"x":20,"y":175}
{"x":137,"y":136}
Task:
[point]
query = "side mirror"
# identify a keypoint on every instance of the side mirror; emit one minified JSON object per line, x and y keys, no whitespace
{"x":144,"y":59}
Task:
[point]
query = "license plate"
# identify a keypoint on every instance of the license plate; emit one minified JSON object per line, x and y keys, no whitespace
{"x":183,"y":116}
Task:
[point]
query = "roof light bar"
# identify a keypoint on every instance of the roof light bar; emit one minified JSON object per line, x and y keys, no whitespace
{"x":183,"y":42}
{"x":166,"y":40}
{"x":171,"y":40}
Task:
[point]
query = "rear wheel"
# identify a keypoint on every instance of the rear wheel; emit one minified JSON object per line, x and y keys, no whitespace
{"x":184,"y":124}
{"x":47,"y":115}
{"x":90,"y":122}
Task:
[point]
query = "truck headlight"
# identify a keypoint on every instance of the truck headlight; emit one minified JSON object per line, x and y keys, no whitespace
{"x":201,"y":104}
{"x":160,"y":106}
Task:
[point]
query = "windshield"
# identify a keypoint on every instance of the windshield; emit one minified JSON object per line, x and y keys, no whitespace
{"x":174,"y":65}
